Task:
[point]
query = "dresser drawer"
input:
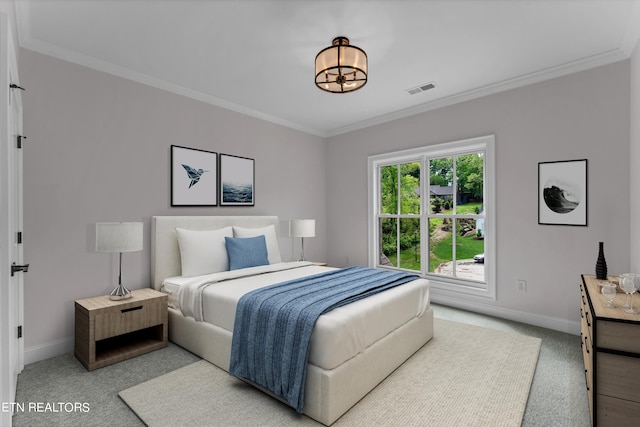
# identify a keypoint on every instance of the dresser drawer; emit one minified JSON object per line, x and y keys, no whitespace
{"x":124,"y":319}
{"x":614,"y":412}
{"x":618,"y":376}
{"x":619,"y":336}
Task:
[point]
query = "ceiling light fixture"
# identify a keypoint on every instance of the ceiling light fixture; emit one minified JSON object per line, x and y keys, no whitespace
{"x":341,"y":68}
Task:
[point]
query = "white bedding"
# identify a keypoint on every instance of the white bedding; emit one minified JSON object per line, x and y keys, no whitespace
{"x":339,"y":334}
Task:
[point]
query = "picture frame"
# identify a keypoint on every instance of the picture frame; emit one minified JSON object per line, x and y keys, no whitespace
{"x":194,"y":175}
{"x":237,"y":180}
{"x":563,"y":192}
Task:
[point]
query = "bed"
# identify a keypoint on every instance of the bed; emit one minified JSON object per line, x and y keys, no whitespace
{"x":353,"y":348}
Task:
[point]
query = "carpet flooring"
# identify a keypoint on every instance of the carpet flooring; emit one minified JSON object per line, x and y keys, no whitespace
{"x":466,"y":375}
{"x":557,"y":396}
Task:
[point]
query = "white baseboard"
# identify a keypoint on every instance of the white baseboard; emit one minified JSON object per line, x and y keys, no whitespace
{"x":562,"y":325}
{"x":48,"y":350}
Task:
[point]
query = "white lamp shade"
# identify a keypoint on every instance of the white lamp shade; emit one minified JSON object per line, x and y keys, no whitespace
{"x":302,"y":228}
{"x":118,"y":237}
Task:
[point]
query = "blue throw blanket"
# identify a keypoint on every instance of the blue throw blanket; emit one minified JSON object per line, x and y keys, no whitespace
{"x":273,"y":325}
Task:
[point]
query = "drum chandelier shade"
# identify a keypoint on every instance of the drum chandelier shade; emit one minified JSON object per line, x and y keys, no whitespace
{"x":341,"y":68}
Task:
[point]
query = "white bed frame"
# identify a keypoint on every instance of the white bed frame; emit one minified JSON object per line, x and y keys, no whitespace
{"x":328,"y":393}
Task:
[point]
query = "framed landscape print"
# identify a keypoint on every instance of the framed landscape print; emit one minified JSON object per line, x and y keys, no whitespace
{"x":194,"y":177}
{"x":562,"y":192}
{"x":237,"y":181}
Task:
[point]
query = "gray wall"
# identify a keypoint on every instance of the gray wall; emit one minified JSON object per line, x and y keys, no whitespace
{"x":9,"y":8}
{"x":584,"y":115}
{"x":99,"y":150}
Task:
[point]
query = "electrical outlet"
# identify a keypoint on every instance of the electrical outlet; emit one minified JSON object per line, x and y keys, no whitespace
{"x":522,"y":285}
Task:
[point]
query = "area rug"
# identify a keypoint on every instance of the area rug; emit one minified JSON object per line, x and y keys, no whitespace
{"x":465,"y":376}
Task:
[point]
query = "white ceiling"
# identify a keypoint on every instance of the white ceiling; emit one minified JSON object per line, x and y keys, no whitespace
{"x":257,"y":56}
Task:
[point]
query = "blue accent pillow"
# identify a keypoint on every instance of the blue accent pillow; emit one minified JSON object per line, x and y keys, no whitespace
{"x":246,"y":252}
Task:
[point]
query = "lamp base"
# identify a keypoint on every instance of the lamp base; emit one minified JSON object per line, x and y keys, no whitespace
{"x":119,"y":293}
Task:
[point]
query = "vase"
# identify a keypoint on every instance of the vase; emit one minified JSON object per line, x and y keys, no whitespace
{"x":601,"y":264}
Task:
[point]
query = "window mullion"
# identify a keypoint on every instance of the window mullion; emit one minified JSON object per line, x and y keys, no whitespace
{"x":398,"y":212}
{"x":454,"y":219}
{"x":424,"y":215}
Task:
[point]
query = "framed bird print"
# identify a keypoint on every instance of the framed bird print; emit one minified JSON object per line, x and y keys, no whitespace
{"x":194,"y":175}
{"x":237,"y":181}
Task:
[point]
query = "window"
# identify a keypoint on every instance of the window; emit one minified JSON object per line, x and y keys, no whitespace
{"x":432,"y":212}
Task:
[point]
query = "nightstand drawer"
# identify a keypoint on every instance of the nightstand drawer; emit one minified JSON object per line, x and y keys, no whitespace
{"x":129,"y":318}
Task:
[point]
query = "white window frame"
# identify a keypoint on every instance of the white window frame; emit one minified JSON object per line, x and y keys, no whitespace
{"x":442,"y":285}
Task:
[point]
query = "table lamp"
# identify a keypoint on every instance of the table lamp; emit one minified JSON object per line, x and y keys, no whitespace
{"x":302,"y":228}
{"x":119,"y":237}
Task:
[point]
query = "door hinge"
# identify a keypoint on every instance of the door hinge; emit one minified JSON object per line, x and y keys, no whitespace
{"x":20,"y":138}
{"x":20,"y":331}
{"x":19,"y":237}
{"x":15,"y":86}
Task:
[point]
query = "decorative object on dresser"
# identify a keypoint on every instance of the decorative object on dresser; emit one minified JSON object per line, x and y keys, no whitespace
{"x":109,"y":331}
{"x":629,"y":283}
{"x":601,"y":263}
{"x":302,"y":228}
{"x":237,"y":181}
{"x":562,"y":192}
{"x":119,"y":237}
{"x":611,"y":353}
{"x":194,"y":177}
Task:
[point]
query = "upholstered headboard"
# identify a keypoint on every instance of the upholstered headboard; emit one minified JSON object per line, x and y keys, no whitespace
{"x":165,"y":252}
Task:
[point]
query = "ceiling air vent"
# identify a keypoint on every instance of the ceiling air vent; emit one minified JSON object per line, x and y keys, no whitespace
{"x":422,"y":88}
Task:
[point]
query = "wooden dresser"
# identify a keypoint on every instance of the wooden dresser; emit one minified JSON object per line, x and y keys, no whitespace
{"x":611,"y":353}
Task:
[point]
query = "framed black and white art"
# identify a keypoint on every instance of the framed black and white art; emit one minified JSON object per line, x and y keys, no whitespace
{"x":237,"y":181}
{"x":194,"y":177}
{"x":562,"y":192}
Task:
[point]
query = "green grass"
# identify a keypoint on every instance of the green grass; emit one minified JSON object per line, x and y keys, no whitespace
{"x":466,"y":248}
{"x":466,"y":209}
{"x":408,"y":260}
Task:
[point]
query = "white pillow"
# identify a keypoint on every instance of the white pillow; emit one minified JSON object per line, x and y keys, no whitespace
{"x":269,"y":233}
{"x":203,"y":252}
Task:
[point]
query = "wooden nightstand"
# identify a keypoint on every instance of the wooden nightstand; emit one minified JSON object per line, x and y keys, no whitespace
{"x":111,"y":331}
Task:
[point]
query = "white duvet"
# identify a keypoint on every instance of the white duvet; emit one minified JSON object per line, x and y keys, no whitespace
{"x":338,"y":335}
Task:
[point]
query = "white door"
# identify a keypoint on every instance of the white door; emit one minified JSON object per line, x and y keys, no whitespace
{"x":15,"y":234}
{"x":11,"y":282}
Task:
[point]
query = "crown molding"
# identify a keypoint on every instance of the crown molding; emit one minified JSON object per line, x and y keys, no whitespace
{"x":103,"y":66}
{"x":28,"y":43}
{"x":632,"y":32}
{"x":627,"y":46}
{"x":524,"y":80}
{"x":550,"y":73}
